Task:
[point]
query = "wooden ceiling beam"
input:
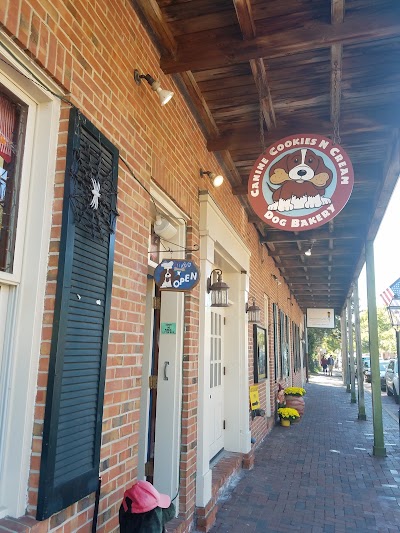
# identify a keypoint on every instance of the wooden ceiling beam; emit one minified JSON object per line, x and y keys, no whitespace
{"x":248,"y":28}
{"x":337,"y":11}
{"x":317,"y":281}
{"x":318,"y":235}
{"x":357,"y":28}
{"x":154,"y":17}
{"x":261,"y":80}
{"x":315,"y":253}
{"x":305,"y":289}
{"x":307,"y":296}
{"x":198,"y":101}
{"x":337,"y":18}
{"x":241,"y":138}
{"x":316,"y":263}
{"x":311,"y":268}
{"x":245,"y":18}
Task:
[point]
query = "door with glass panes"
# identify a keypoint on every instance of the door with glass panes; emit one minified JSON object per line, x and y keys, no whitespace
{"x":216,"y":405}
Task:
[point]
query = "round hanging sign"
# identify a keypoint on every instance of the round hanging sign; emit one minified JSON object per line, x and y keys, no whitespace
{"x":176,"y":275}
{"x":300,"y":182}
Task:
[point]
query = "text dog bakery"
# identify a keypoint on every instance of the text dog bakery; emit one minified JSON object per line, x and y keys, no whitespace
{"x":301,"y":181}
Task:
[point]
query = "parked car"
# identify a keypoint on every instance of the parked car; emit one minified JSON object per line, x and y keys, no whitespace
{"x":366,"y":362}
{"x":382,"y":371}
{"x":392,"y":379}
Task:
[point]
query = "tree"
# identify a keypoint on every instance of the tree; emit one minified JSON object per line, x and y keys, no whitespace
{"x":325,"y":339}
{"x":386,"y":333}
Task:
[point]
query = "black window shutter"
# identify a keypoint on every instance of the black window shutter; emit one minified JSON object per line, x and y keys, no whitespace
{"x":69,"y":467}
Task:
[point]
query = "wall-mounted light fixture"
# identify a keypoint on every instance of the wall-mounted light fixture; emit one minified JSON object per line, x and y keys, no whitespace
{"x":254,"y":312}
{"x":218,"y":289}
{"x":163,"y":228}
{"x":275,"y":278}
{"x":164,"y":95}
{"x":216,"y":179}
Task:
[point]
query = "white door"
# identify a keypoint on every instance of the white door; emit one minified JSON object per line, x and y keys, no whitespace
{"x":216,"y":419}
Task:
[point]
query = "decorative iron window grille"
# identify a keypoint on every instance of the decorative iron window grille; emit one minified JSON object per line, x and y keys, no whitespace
{"x":93,"y":195}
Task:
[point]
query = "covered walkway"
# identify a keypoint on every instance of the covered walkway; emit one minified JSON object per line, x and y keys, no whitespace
{"x":319,"y":475}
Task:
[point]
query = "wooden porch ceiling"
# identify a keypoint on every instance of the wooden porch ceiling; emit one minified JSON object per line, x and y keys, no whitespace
{"x":305,"y":64}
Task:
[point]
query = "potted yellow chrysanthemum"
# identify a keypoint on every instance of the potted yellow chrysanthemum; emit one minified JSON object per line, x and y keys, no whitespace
{"x":295,"y":391}
{"x":294,"y":398}
{"x":287,"y":415}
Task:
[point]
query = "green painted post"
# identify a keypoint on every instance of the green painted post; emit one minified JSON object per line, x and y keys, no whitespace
{"x":360,"y":382}
{"x":351,"y":352}
{"x":379,"y":444}
{"x":345,"y":359}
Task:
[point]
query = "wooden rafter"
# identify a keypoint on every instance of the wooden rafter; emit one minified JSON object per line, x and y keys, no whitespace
{"x":358,"y":28}
{"x":315,"y":253}
{"x":337,"y":18}
{"x":245,"y":18}
{"x":321,"y":234}
{"x":151,"y":11}
{"x":247,"y":137}
{"x":260,"y":77}
{"x":248,"y":29}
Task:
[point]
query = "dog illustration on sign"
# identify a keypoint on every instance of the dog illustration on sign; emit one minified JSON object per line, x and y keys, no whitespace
{"x":303,"y":178}
{"x":168,"y":276}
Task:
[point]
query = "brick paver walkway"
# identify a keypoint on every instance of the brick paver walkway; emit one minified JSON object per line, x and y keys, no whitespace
{"x":319,"y":475}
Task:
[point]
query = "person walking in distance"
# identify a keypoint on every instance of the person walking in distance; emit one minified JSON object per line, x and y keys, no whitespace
{"x":324,"y":364}
{"x":331,"y":362}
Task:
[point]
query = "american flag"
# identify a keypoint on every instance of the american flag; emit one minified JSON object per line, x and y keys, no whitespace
{"x":392,"y":293}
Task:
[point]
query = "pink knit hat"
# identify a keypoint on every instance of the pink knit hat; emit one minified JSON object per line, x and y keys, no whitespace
{"x":144,"y":498}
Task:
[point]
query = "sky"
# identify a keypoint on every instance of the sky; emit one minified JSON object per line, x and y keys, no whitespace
{"x":386,"y":252}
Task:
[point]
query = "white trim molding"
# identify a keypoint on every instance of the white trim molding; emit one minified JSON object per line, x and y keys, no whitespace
{"x":222,"y":247}
{"x":22,"y":347}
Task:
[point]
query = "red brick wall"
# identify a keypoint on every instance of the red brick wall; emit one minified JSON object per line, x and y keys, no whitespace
{"x":91,"y":49}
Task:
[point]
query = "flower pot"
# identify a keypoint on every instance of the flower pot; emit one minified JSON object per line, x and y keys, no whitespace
{"x":285,"y":422}
{"x":295,"y":402}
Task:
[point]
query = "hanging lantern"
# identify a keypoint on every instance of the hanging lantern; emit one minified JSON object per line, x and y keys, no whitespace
{"x":254,"y":312}
{"x":218,"y":289}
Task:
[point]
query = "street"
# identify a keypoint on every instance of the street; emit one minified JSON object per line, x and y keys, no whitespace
{"x":389,"y":406}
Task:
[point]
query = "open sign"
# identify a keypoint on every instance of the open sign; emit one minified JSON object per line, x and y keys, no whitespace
{"x":176,"y":275}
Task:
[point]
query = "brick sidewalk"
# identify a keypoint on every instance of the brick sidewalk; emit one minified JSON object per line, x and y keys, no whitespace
{"x":319,"y":475}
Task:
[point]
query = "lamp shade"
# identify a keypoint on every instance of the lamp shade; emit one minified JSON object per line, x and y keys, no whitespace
{"x":254,"y":312}
{"x":217,"y":180}
{"x":218,"y":289}
{"x":164,"y":95}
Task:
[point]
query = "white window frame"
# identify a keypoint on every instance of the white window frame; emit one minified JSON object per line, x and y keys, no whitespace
{"x":26,"y":305}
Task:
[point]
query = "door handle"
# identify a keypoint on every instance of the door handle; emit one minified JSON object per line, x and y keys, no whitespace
{"x":166,"y":365}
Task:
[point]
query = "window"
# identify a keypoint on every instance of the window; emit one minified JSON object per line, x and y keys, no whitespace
{"x":12,"y":133}
{"x":215,"y":350}
{"x":282,"y":351}
{"x":296,"y":346}
{"x":275,"y":317}
{"x":29,"y":122}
